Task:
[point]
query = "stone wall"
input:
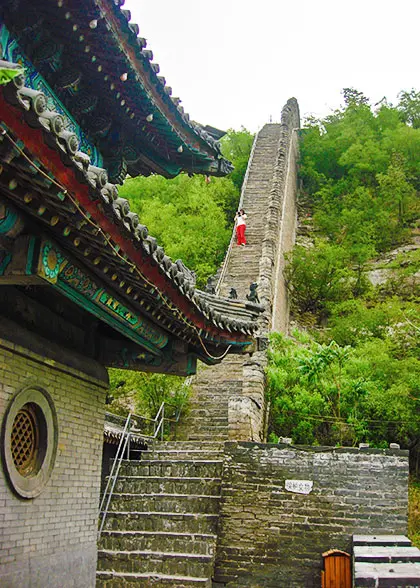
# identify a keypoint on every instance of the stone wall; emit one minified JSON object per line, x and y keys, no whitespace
{"x":280,"y":216}
{"x":272,"y":537}
{"x":228,"y":401}
{"x":286,"y":239}
{"x":50,"y":540}
{"x":247,"y":414}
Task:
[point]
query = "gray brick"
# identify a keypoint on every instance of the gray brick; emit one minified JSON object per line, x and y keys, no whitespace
{"x":57,"y":530}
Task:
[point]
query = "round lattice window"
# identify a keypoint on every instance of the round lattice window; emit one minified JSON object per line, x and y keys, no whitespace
{"x":29,"y":441}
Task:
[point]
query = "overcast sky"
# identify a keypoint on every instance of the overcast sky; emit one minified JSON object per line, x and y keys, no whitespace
{"x":236,"y":62}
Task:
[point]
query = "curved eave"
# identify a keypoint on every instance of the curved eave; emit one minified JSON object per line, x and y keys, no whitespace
{"x":126,"y":34}
{"x":57,"y":153}
{"x":176,"y":143}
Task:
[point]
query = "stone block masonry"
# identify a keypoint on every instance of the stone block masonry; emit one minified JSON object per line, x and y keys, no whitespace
{"x":229,"y":400}
{"x":50,"y":541}
{"x":273,"y":537}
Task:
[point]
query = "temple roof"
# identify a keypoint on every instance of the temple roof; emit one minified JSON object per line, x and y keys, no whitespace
{"x":114,"y":429}
{"x":54,"y":183}
{"x":96,"y":64}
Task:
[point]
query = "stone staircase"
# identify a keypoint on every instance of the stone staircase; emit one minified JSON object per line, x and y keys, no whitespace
{"x":243,"y":266}
{"x":384,"y":561}
{"x":207,"y":417}
{"x":162,"y":526}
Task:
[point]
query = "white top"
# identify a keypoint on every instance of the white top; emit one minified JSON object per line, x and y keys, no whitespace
{"x":240,"y":220}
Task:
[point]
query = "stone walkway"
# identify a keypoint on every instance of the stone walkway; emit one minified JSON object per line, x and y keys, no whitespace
{"x":208,"y":412}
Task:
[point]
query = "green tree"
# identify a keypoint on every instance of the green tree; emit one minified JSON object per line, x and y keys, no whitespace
{"x":409,"y":107}
{"x":354,"y":376}
{"x":143,"y":393}
{"x":328,"y":394}
{"x":187,"y":216}
{"x":395,"y":190}
{"x":316,"y":277}
{"x":353,"y":97}
{"x":236,"y":146}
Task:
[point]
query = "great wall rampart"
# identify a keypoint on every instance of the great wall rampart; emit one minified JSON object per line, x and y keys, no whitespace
{"x":220,"y":507}
{"x":228,"y":401}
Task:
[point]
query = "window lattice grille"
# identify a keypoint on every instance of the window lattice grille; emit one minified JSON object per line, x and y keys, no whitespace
{"x":24,"y":440}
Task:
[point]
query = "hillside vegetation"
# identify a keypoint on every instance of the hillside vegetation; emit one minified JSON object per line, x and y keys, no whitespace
{"x":351,"y":371}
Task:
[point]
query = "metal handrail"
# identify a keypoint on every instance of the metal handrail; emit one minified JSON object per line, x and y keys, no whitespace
{"x":112,"y":478}
{"x":241,"y":200}
{"x":124,"y":445}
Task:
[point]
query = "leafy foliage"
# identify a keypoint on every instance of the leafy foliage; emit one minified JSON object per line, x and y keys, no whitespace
{"x":414,"y":512}
{"x":143,"y":393}
{"x":360,"y":172}
{"x":236,"y":146}
{"x":328,"y":394}
{"x":318,"y":276}
{"x":355,"y":376}
{"x":409,"y":107}
{"x":190,"y":216}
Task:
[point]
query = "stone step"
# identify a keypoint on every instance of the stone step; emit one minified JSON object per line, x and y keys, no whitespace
{"x":214,"y":385}
{"x":202,"y":395}
{"x":204,"y":434}
{"x":203,"y":410}
{"x":171,"y":522}
{"x":190,"y":445}
{"x":208,"y":422}
{"x":165,"y":503}
{"x":158,"y":541}
{"x":187,"y":454}
{"x":204,"y":426}
{"x":217,"y":418}
{"x":177,"y":469}
{"x":381,"y":540}
{"x":206,"y":430}
{"x":386,"y":575}
{"x":155,"y":562}
{"x":384,"y":554}
{"x":218,"y":413}
{"x":197,"y":432}
{"x":168,"y":485}
{"x":111,"y":579}
{"x":216,"y":392}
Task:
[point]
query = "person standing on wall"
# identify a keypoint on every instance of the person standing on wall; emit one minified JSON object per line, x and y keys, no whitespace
{"x":240,"y":220}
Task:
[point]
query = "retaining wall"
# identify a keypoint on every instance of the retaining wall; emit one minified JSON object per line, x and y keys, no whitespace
{"x":273,"y":537}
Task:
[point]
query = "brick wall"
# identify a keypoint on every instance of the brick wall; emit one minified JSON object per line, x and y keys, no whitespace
{"x":51,"y":540}
{"x":271,"y":537}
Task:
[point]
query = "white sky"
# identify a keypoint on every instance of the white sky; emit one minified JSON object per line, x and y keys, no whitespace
{"x":236,"y":62}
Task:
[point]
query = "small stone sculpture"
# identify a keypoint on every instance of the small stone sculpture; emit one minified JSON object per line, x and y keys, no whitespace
{"x":253,"y":296}
{"x":210,"y":287}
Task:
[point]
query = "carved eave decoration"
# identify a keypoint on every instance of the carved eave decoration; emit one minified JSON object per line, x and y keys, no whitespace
{"x":94,"y":60}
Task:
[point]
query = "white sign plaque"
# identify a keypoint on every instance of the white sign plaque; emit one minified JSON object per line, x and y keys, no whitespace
{"x":299,"y":486}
